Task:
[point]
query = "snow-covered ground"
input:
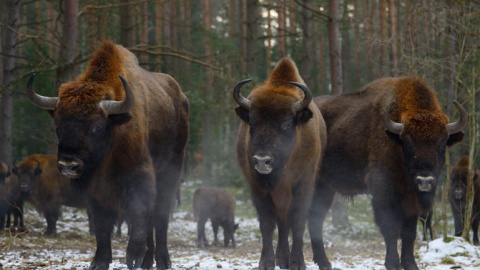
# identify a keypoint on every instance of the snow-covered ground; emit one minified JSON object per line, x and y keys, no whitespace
{"x":359,"y":247}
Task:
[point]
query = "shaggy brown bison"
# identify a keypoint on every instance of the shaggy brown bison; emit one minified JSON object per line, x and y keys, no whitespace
{"x":280,"y":142}
{"x":388,"y":140}
{"x":4,"y":204}
{"x":218,"y":205}
{"x":47,"y":189}
{"x":124,"y":144}
{"x":457,"y":196}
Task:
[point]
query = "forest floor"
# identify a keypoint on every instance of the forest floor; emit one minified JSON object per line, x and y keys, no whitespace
{"x":360,"y":246}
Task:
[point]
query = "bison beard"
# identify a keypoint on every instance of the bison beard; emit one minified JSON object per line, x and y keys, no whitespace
{"x":388,"y":140}
{"x":280,"y":142}
{"x":124,"y":145}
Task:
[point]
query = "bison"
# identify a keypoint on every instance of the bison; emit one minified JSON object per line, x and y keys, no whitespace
{"x":389,"y":140}
{"x":122,"y":133}
{"x":280,"y":142}
{"x":218,"y":205}
{"x":457,"y":197}
{"x":47,"y":189}
{"x":4,"y":203}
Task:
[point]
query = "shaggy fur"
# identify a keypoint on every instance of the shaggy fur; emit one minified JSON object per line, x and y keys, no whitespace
{"x":127,"y":163}
{"x":296,"y":142}
{"x":362,"y":157}
{"x":457,"y":197}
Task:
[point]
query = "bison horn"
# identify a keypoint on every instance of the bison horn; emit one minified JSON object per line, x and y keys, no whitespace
{"x":119,"y":107}
{"x":302,"y":104}
{"x":47,"y":103}
{"x":391,"y":126}
{"x":460,"y":124}
{"x":38,"y":162}
{"x":243,"y":102}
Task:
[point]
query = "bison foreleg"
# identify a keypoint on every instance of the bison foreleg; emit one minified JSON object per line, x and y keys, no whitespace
{"x":409,"y":231}
{"x":215,"y":232}
{"x":322,"y":199}
{"x":282,"y":253}
{"x":103,"y":222}
{"x":201,"y":238}
{"x":266,"y":217}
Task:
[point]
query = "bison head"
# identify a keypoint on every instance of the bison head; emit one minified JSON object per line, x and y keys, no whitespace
{"x":26,"y":173}
{"x":85,"y":119}
{"x":423,"y":137}
{"x":229,"y":233}
{"x":272,"y":117}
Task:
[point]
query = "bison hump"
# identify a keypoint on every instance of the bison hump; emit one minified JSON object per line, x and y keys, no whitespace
{"x":285,"y":72}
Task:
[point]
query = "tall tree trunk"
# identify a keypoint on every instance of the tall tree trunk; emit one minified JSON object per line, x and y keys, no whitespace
{"x":293,"y":26}
{"x":334,"y":48}
{"x":269,"y":37}
{"x":143,"y":30}
{"x":252,"y":37}
{"x":346,"y":51}
{"x":356,"y":19}
{"x":233,"y":31}
{"x":126,"y":24}
{"x":308,"y":52}
{"x":68,"y":51}
{"x":174,"y":69}
{"x":92,"y":16}
{"x":371,"y":47}
{"x":393,"y":37}
{"x":323,"y":80}
{"x":207,"y":121}
{"x":382,"y":60}
{"x":9,"y":49}
{"x":282,"y":26}
{"x":243,"y":35}
{"x":158,"y":33}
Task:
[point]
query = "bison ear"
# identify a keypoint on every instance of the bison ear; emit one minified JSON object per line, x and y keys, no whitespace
{"x":38,"y":171}
{"x":394,"y":137}
{"x":15,"y":170}
{"x":304,"y":115}
{"x":242,"y":113}
{"x":120,"y":119}
{"x":455,"y":138}
{"x":50,"y":112}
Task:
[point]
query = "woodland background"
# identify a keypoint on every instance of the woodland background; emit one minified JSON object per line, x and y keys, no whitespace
{"x":210,"y":45}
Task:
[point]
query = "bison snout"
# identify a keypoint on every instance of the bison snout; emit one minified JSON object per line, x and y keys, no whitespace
{"x":458,"y":193}
{"x":425,"y":183}
{"x":263,"y":164}
{"x":70,"y":168}
{"x":24,"y":188}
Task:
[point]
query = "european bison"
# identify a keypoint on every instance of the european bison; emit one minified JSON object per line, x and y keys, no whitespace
{"x":124,"y":144}
{"x":457,"y":196}
{"x":218,"y":205}
{"x":388,"y":140}
{"x":4,"y":204}
{"x":280,"y":142}
{"x":47,"y":189}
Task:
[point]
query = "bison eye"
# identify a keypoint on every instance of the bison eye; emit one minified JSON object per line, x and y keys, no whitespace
{"x":97,"y":130}
{"x":286,"y":124}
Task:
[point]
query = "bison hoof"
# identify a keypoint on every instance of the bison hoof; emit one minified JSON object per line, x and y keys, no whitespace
{"x":164,"y":267}
{"x":134,"y":264}
{"x":98,"y":267}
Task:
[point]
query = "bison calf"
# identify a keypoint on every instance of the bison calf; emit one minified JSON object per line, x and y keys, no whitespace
{"x":218,"y":205}
{"x":457,"y":196}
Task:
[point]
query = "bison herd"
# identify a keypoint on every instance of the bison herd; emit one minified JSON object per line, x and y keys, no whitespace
{"x":122,"y":134}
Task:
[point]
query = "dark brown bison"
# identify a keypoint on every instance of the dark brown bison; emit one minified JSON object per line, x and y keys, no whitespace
{"x":280,"y":143}
{"x":457,"y":196}
{"x":47,"y":189}
{"x":388,"y":140}
{"x":4,"y":204}
{"x":124,"y":144}
{"x":218,"y":205}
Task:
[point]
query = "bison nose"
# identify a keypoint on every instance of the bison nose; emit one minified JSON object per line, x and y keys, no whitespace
{"x":70,"y":168}
{"x":425,"y":183}
{"x":23,"y":187}
{"x":263,"y":164}
{"x":458,"y":193}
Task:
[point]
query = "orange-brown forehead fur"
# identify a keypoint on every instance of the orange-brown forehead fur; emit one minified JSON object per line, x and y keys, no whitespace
{"x":277,"y":93}
{"x":419,"y":109}
{"x":100,"y":81}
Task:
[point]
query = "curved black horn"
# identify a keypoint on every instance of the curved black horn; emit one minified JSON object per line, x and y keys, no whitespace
{"x":243,"y":102}
{"x":47,"y":103}
{"x":460,"y":124}
{"x":302,"y":104}
{"x":391,"y":126}
{"x":119,"y":107}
